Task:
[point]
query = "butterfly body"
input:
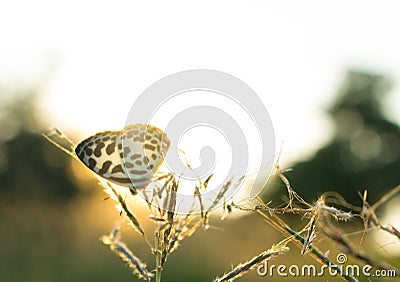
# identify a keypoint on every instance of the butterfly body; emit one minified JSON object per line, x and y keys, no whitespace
{"x":127,"y":157}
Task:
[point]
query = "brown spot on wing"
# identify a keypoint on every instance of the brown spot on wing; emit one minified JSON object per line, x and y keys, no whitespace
{"x":91,"y":163}
{"x":135,"y":156}
{"x":106,"y":165}
{"x":89,"y":152}
{"x":117,"y":168}
{"x":138,"y":172}
{"x":127,"y":150}
{"x":149,"y":147}
{"x":123,"y":180}
{"x":97,"y":150}
{"x":110,"y":148}
{"x":129,"y":165}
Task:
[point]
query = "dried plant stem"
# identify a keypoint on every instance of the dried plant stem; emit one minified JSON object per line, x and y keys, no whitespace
{"x":158,"y":256}
{"x":135,"y":264}
{"x":389,"y":195}
{"x":317,"y":254}
{"x":241,"y":269}
{"x":61,"y":141}
{"x":336,"y":236}
{"x":368,"y":212}
{"x":128,"y":213}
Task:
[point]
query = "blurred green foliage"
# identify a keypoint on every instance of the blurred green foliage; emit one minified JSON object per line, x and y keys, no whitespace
{"x":364,"y":152}
{"x":31,"y":168}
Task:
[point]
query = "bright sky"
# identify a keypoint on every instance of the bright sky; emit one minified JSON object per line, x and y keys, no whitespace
{"x":294,"y":54}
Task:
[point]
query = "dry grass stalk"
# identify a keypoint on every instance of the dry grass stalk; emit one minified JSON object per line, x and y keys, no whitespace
{"x":124,"y":208}
{"x":243,"y":268}
{"x":172,"y":228}
{"x":335,"y":235}
{"x":320,"y":214}
{"x":138,"y":267}
{"x":368,"y":213}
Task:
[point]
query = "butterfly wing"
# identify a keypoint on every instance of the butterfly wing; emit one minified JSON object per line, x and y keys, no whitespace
{"x":102,"y":154}
{"x":144,"y":149}
{"x":129,"y":157}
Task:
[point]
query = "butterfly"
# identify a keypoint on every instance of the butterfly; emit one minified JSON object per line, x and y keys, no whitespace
{"x":129,"y":157}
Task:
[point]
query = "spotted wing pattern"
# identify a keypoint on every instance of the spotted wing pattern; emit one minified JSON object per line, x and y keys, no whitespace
{"x":128,"y":157}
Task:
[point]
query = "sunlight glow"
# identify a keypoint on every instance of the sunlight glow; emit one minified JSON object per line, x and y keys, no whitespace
{"x":102,"y":56}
